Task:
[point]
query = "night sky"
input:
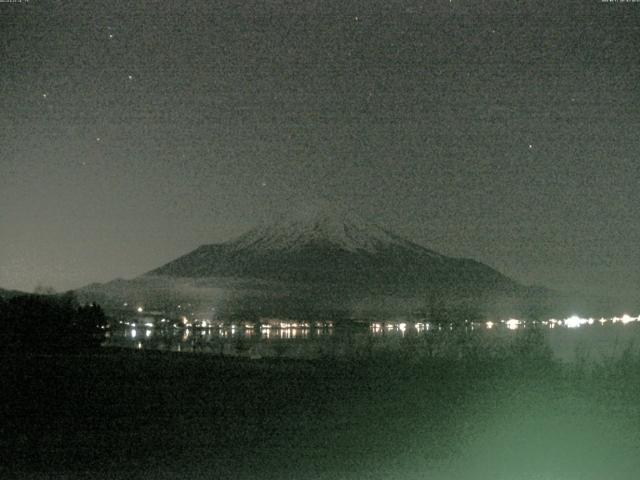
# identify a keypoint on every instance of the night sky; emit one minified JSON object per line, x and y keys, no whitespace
{"x":506,"y":131}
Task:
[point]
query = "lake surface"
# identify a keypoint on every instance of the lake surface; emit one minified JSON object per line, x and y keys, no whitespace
{"x":121,"y":414}
{"x":568,"y":339}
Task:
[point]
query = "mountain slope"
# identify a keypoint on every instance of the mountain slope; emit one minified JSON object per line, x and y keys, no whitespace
{"x":332,"y":247}
{"x":323,"y":262}
{"x":336,"y":228}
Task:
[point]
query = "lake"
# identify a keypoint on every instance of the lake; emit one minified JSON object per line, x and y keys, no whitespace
{"x":567,"y":339}
{"x":496,"y":408}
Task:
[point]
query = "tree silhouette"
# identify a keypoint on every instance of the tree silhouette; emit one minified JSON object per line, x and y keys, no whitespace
{"x":50,"y":323}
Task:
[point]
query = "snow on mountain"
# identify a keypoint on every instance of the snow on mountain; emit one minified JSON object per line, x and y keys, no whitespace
{"x":323,"y":226}
{"x":320,"y":259}
{"x":329,"y":246}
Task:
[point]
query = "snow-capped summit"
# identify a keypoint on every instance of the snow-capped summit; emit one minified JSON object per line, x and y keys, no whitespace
{"x":328,"y":245}
{"x":321,"y":259}
{"x":321,"y":225}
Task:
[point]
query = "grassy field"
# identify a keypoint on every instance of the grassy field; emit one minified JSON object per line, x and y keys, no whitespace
{"x":118,"y":414}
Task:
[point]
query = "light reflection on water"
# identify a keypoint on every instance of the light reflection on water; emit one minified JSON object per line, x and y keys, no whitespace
{"x":601,"y":338}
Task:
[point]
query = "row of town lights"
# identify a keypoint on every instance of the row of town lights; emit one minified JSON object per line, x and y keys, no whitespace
{"x":573,"y":321}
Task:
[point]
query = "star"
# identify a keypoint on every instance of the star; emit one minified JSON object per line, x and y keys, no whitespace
{"x":130,"y":77}
{"x":98,"y":139}
{"x":110,"y":36}
{"x":44,"y":95}
{"x":530,"y":146}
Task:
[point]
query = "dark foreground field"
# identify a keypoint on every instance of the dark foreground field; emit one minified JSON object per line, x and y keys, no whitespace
{"x":128,"y":414}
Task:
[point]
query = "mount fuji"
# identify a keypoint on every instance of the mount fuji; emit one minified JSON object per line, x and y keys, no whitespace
{"x":317,"y":260}
{"x":330,"y":246}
